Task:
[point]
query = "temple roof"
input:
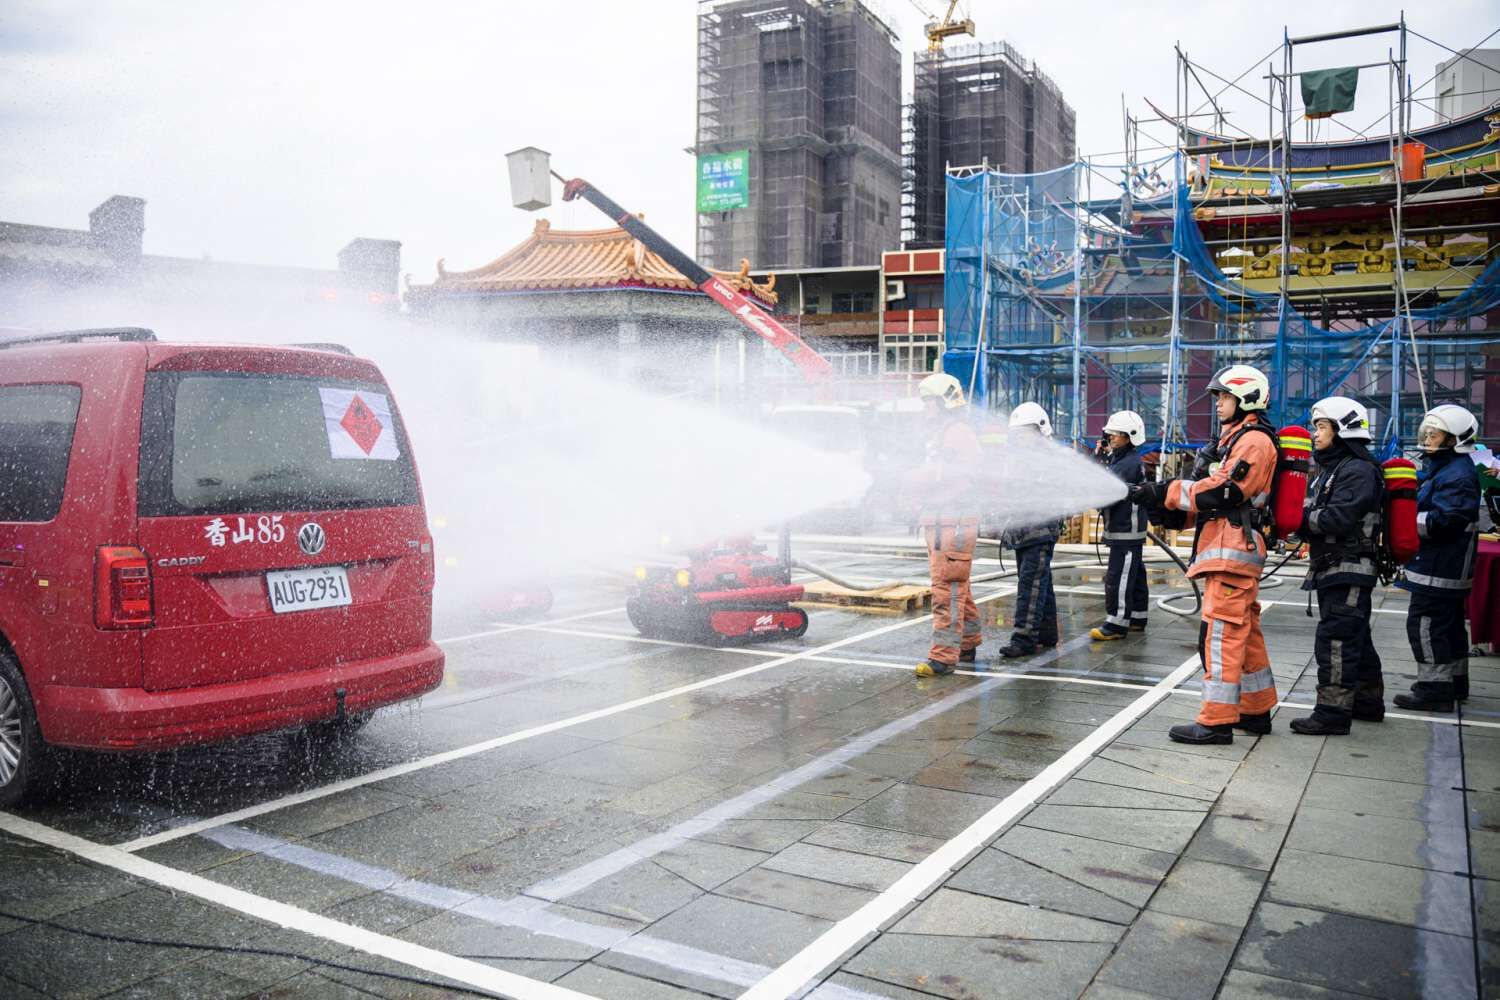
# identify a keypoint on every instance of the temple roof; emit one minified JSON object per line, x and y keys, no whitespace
{"x":596,"y":258}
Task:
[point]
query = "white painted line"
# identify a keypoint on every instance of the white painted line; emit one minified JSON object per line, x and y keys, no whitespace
{"x":531,"y":915}
{"x":849,"y":933}
{"x":502,"y":629}
{"x":570,"y":883}
{"x":459,"y":753}
{"x":1436,"y":720}
{"x":473,"y":974}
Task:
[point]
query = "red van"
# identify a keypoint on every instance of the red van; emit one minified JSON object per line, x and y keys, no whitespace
{"x":201,"y":541}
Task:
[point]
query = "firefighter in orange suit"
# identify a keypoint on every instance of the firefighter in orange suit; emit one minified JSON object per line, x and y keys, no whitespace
{"x":947,"y":488}
{"x":1228,"y":498}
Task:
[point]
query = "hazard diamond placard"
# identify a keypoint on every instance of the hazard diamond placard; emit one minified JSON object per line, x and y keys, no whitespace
{"x":359,"y":424}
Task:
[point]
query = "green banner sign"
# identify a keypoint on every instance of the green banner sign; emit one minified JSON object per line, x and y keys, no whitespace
{"x":724,"y":181}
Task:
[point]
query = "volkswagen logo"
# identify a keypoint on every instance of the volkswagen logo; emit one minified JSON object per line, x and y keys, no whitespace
{"x":310,"y":538}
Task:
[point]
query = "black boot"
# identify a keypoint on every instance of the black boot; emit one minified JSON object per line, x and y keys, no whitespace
{"x":1012,"y":649}
{"x":1316,"y":725}
{"x":1422,"y":703}
{"x":1194,"y":732}
{"x":1371,"y":711}
{"x":1255,"y":725}
{"x":966,"y":656}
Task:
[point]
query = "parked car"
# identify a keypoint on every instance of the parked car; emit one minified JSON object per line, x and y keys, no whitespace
{"x":199,"y":542}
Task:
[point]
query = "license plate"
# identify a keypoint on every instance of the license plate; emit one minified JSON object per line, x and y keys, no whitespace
{"x":307,"y":589}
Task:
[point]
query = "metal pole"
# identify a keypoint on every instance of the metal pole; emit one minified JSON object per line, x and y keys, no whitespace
{"x":1283,"y":305}
{"x":1077,"y":313}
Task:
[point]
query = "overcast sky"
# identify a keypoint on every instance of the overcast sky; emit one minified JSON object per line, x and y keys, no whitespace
{"x":276,"y":132}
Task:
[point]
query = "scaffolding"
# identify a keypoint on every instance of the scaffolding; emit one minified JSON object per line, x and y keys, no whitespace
{"x":1368,"y":268}
{"x":811,"y":88}
{"x":971,"y":104}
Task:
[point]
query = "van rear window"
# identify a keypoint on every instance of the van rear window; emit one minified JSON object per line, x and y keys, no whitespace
{"x":36,"y":438}
{"x":217,"y":443}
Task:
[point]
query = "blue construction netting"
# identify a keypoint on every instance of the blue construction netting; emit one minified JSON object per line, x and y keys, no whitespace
{"x":1065,"y":299}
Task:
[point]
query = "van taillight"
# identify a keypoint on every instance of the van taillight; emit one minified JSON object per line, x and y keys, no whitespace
{"x":122,"y":588}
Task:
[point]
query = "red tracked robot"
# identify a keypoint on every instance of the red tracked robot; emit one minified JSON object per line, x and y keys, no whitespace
{"x":730,"y":593}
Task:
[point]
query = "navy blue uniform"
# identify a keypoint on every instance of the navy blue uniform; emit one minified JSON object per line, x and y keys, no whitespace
{"x":1036,"y":602}
{"x":1341,"y":523}
{"x":1125,"y":594}
{"x":1441,"y":573}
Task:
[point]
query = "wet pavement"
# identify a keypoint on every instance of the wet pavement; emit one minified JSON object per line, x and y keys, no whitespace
{"x":580,"y":812}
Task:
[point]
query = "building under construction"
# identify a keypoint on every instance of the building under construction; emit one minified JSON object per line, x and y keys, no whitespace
{"x":976,"y":104}
{"x":1366,"y":266}
{"x":812,"y":89}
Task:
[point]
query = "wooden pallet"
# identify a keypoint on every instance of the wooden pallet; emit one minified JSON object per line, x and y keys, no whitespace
{"x":896,"y":600}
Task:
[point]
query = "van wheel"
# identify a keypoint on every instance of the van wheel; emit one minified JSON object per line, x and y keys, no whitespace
{"x":22,"y":753}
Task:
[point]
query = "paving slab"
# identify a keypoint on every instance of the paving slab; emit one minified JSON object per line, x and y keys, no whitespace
{"x":707,"y":865}
{"x":642,"y":893}
{"x":930,"y":812}
{"x":995,"y":777}
{"x":1416,"y":897}
{"x":1172,"y":956}
{"x":952,"y":913}
{"x":1081,"y":792}
{"x":766,"y":835}
{"x":834,"y":987}
{"x":994,"y":873}
{"x":965,"y":968}
{"x":1206,"y":890}
{"x":861,"y":871}
{"x":810,"y":896}
{"x":1129,"y":776}
{"x":1129,"y":874}
{"x":1242,"y":985}
{"x":307,"y":819}
{"x":1238,"y":839}
{"x":874,"y":840}
{"x":1361,"y":956}
{"x":1174,"y":765}
{"x":1393,"y":841}
{"x":598,"y":981}
{"x":1167,"y":830}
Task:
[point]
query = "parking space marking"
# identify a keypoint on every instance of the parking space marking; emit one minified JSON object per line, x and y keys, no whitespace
{"x":526,"y":914}
{"x":560,"y":887}
{"x":473,"y":974}
{"x":459,"y":753}
{"x":502,"y":629}
{"x":851,"y":932}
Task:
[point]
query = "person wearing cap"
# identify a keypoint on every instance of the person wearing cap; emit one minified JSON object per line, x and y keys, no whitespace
{"x":1125,"y":593}
{"x":1036,"y":603}
{"x":1440,"y":574}
{"x":1341,"y":524}
{"x":1228,"y":498}
{"x":947,"y":486}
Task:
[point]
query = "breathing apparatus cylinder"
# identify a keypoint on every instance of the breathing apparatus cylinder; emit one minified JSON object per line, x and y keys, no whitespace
{"x":1291,"y":478}
{"x":1401,"y":538}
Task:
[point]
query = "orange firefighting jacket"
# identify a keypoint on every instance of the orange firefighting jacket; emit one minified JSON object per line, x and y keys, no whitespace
{"x":947,"y":485}
{"x":1223,"y":503}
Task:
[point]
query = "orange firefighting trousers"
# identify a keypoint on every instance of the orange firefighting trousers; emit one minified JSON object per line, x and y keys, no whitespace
{"x":955,"y":616}
{"x":1237,"y":677}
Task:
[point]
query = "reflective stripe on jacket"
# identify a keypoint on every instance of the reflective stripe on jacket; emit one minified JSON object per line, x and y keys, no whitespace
{"x":1125,"y":522}
{"x":1223,"y":546}
{"x":1448,"y":525}
{"x":948,"y":484}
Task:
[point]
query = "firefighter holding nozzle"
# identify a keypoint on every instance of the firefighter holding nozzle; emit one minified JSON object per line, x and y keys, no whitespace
{"x":1228,"y":496}
{"x":947,"y":487}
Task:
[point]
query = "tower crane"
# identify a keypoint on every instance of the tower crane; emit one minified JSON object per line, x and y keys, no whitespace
{"x":938,"y":30}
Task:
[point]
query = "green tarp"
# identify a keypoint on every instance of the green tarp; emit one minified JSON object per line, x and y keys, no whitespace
{"x":1328,"y":91}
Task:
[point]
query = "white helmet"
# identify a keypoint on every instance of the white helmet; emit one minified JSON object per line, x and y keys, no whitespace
{"x":1245,"y":384}
{"x":1351,"y":421}
{"x":941,"y":385}
{"x":1031,"y":415}
{"x":1129,"y":423}
{"x":1454,"y":420}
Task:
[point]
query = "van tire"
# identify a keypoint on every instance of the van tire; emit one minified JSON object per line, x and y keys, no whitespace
{"x":19,"y":736}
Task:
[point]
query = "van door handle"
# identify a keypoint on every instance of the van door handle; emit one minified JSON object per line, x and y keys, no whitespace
{"x":12,"y":557}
